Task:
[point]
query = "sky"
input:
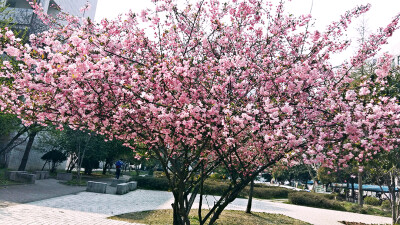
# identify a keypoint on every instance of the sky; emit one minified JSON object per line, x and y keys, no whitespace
{"x":323,"y":11}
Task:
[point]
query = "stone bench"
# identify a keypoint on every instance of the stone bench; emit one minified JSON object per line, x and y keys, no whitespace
{"x":64,"y":176}
{"x":132,"y":185}
{"x":40,"y":175}
{"x":26,"y":178}
{"x":11,"y":175}
{"x":118,"y":181}
{"x":97,"y":187}
{"x":122,"y":188}
{"x":21,"y":176}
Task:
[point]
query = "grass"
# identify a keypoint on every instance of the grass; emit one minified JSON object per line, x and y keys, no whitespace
{"x":133,"y":173}
{"x":4,"y":181}
{"x":215,"y":187}
{"x":366,"y":209}
{"x":325,"y":201}
{"x":74,"y":182}
{"x":228,"y":217}
{"x":99,"y":174}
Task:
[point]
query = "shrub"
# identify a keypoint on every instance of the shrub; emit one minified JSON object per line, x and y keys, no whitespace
{"x":386,"y":205}
{"x":329,"y":196}
{"x":55,"y":157}
{"x":152,"y":183}
{"x":371,"y":201}
{"x":267,"y":192}
{"x":158,"y":174}
{"x":217,"y":176}
{"x":214,"y":187}
{"x":314,"y":200}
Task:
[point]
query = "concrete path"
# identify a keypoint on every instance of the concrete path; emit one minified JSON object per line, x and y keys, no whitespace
{"x":42,"y":189}
{"x":93,"y":208}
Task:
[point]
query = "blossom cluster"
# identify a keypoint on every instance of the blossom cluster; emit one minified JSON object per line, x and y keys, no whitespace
{"x":240,"y":82}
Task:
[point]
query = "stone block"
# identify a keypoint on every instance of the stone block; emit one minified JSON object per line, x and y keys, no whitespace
{"x":64,"y":176}
{"x":40,"y":175}
{"x":45,"y":174}
{"x":132,"y":185}
{"x":122,"y":188}
{"x":12,"y":175}
{"x":97,"y":187}
{"x":118,"y":181}
{"x":26,"y":178}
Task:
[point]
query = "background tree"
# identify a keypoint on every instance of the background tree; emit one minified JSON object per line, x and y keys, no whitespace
{"x":54,"y":157}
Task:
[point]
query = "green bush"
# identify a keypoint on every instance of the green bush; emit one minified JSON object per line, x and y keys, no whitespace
{"x":314,"y":200}
{"x":217,"y":176}
{"x":386,"y":205}
{"x":152,"y":183}
{"x":267,"y":192}
{"x":329,"y":196}
{"x":371,"y":201}
{"x":214,"y":187}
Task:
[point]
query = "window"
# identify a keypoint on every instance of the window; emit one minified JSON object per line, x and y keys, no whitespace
{"x":11,"y":3}
{"x":23,"y":4}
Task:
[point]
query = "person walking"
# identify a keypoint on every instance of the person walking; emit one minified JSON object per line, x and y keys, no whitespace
{"x":118,"y":166}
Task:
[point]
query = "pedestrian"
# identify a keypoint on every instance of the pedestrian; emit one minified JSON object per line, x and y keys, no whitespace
{"x":118,"y":166}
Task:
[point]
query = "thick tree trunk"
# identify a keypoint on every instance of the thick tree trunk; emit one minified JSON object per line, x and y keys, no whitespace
{"x":44,"y":164}
{"x":179,"y":210}
{"x":249,"y":203}
{"x":10,"y":144}
{"x":105,"y":168}
{"x":360,"y":190}
{"x":315,"y":185}
{"x":137,"y":170}
{"x":201,"y":198}
{"x":392,"y":190}
{"x":28,"y":148}
{"x":71,"y":166}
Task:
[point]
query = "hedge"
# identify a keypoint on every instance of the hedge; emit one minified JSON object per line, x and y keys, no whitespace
{"x":386,"y":205}
{"x":372,"y":201}
{"x":314,"y":200}
{"x":152,"y":183}
{"x":215,"y":187}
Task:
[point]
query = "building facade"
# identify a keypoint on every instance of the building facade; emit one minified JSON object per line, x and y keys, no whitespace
{"x":22,"y":14}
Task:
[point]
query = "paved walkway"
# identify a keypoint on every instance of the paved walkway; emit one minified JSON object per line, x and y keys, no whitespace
{"x":92,"y":208}
{"x":42,"y":189}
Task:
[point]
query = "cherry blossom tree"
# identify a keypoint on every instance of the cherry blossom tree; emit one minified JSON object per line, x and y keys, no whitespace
{"x":242,"y":85}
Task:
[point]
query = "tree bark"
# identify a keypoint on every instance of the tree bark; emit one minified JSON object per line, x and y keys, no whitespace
{"x":360,"y":190}
{"x":353,"y":193}
{"x":179,"y":210}
{"x":201,"y":197}
{"x":249,"y":203}
{"x":44,"y":164}
{"x":392,"y":190}
{"x":14,"y":139}
{"x":105,"y":166}
{"x":28,"y":148}
{"x":315,"y":185}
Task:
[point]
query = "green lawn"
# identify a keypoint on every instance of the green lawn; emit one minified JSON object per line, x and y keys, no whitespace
{"x":228,"y":217}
